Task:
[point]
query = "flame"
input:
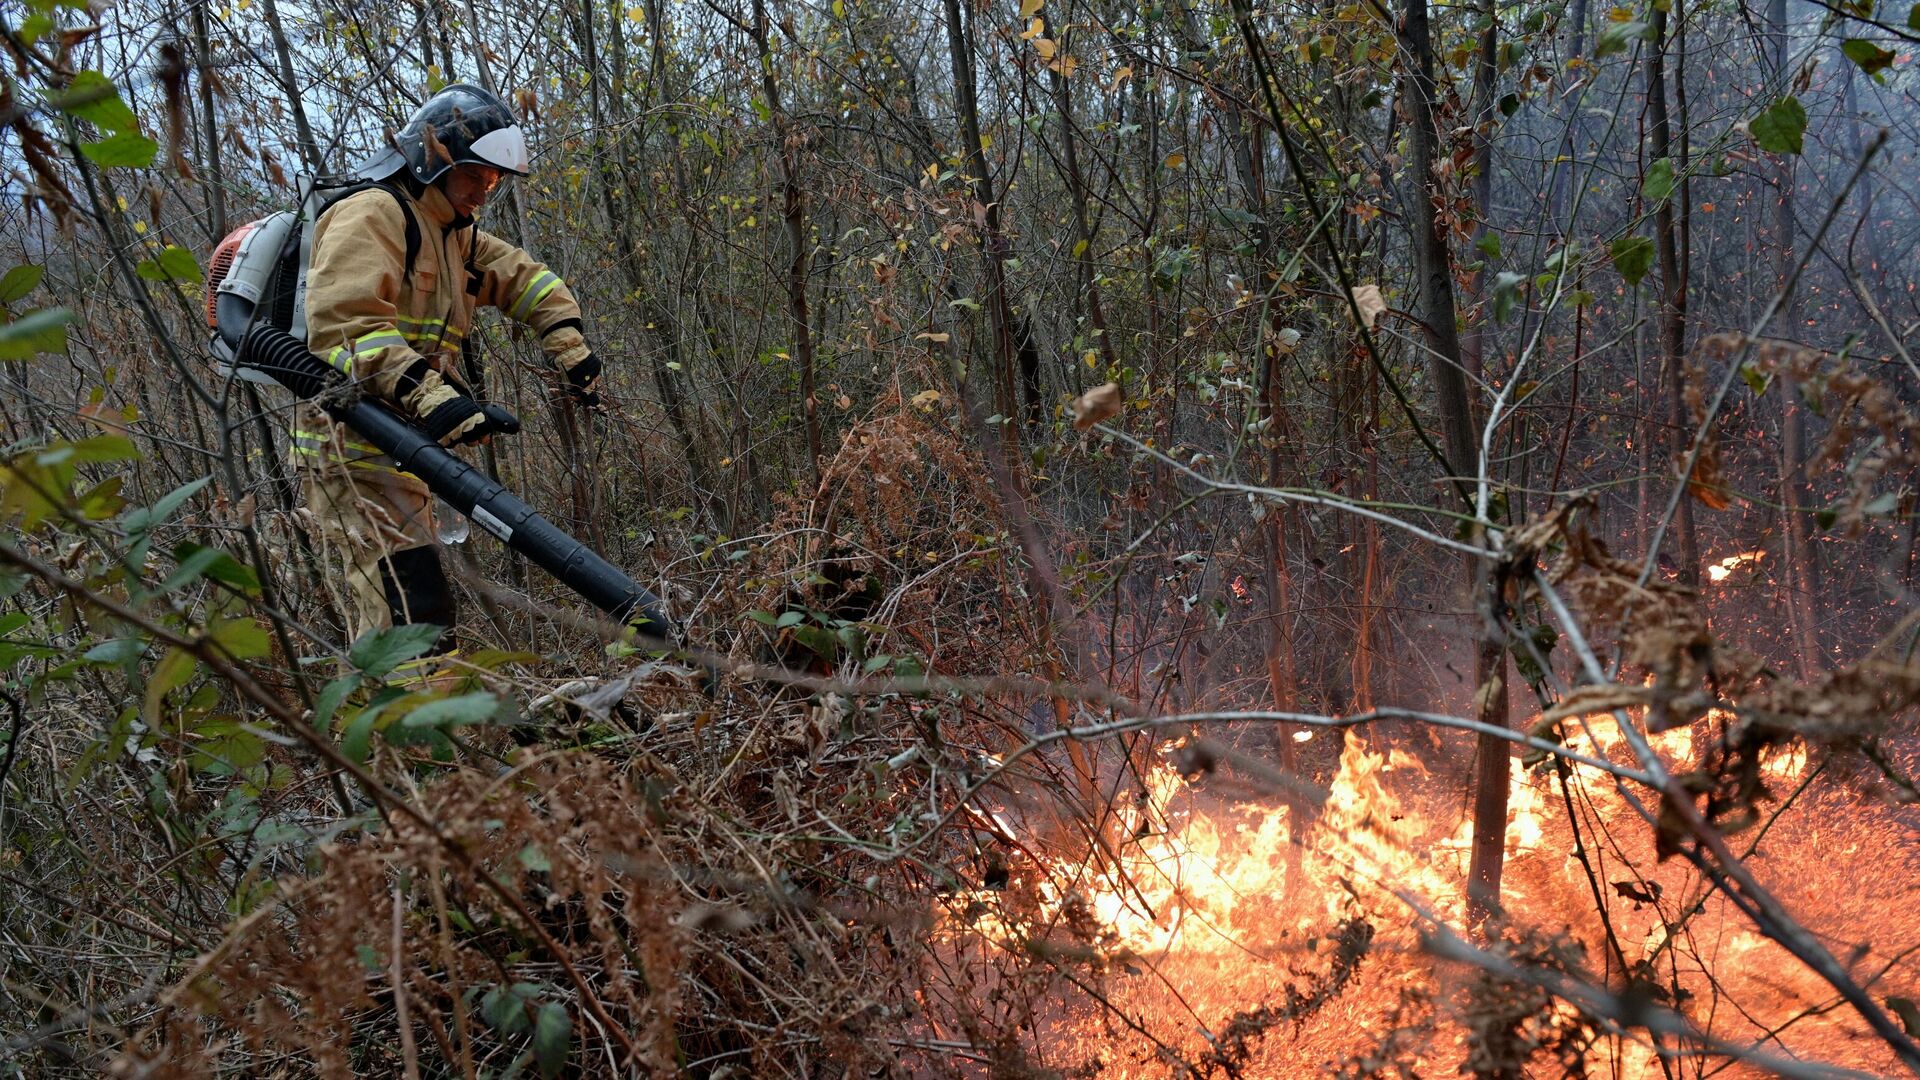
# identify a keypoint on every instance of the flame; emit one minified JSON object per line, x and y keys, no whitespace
{"x":1722,"y":570}
{"x":1193,"y":910}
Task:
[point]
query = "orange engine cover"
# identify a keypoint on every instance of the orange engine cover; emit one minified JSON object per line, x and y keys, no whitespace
{"x":217,"y":268}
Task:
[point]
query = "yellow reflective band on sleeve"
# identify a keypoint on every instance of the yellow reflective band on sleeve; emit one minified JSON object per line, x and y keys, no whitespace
{"x":536,"y":292}
{"x":366,"y":344}
{"x":435,"y":330}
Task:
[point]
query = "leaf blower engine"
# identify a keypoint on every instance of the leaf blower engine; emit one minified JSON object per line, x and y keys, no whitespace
{"x":256,"y":316}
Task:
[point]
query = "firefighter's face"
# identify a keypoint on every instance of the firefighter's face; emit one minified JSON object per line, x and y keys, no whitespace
{"x":469,"y":185}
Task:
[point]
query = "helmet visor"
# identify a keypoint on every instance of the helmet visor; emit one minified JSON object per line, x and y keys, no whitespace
{"x":503,"y":148}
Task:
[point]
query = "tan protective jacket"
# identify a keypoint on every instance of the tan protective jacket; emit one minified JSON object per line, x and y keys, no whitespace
{"x":371,"y":319}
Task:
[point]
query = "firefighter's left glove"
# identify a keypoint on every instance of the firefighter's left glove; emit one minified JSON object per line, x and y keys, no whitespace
{"x":450,"y":418}
{"x":583,"y":382}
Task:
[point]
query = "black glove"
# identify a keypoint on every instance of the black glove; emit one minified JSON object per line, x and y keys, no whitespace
{"x":582,"y":380}
{"x":459,"y":420}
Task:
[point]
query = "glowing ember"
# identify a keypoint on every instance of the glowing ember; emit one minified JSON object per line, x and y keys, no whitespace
{"x":1724,"y":569}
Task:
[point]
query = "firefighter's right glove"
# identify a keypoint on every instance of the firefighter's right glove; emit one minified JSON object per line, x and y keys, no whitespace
{"x":450,"y":418}
{"x":583,"y":382}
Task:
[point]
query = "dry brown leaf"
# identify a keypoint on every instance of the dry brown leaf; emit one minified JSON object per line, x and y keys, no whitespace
{"x":1706,"y":483}
{"x":1095,"y":405}
{"x":1371,"y":304}
{"x":1587,"y":700}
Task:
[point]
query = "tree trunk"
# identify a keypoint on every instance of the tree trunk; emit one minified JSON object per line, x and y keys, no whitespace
{"x":1486,"y":114}
{"x":1434,"y":271}
{"x":1803,"y":590}
{"x":793,"y":214}
{"x":1673,"y":292}
{"x":986,"y":217}
{"x":283,"y":53}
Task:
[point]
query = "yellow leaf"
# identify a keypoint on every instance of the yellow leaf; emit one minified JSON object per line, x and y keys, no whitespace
{"x":1067,"y":65}
{"x":926,"y":399}
{"x":1620,"y":15}
{"x":636,"y":14}
{"x":1079,"y":249}
{"x":1092,"y":360}
{"x":937,"y":339}
{"x":1122,"y":75}
{"x":1045,"y":47}
{"x":839,"y":9}
{"x":140,"y":227}
{"x":1175,"y":160}
{"x":1034,"y":29}
{"x":1028,"y":7}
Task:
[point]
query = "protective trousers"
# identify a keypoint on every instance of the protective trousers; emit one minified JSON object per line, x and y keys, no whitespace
{"x":380,"y":526}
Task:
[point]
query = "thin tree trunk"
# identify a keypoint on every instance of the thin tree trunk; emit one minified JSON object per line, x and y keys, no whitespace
{"x":283,"y":53}
{"x":1434,"y":271}
{"x":793,"y":214}
{"x":986,"y":211}
{"x":1673,"y":290}
{"x":213,"y":176}
{"x":1486,"y":116}
{"x":1803,"y":590}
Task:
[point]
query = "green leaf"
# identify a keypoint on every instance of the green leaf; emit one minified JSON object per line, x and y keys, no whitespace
{"x":220,"y":566}
{"x":552,"y":1031}
{"x":13,"y":620}
{"x":1633,"y":257}
{"x":1780,"y":128}
{"x":173,"y":671}
{"x":330,"y":698}
{"x":1489,"y":244}
{"x":116,"y":651}
{"x":174,"y":263}
{"x":507,"y":1009}
{"x":1913,"y":17}
{"x":144,"y":519}
{"x":20,"y":281}
{"x":1506,"y":292}
{"x":1658,"y":186}
{"x":820,"y":640}
{"x":191,"y":569}
{"x":475,"y":708}
{"x":378,"y":652}
{"x":764,"y":618}
{"x":789,"y":618}
{"x":359,"y":730}
{"x":127,"y":150}
{"x":92,"y":97}
{"x":1872,"y":58}
{"x":1616,"y":38}
{"x":1755,"y":381}
{"x":37,"y":25}
{"x":534,"y":859}
{"x":240,"y":638}
{"x":42,"y":331}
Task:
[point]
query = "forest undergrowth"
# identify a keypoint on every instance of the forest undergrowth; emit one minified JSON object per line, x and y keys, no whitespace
{"x":1360,"y":540}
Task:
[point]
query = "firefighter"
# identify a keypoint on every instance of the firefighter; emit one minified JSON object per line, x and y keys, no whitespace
{"x":397,"y":269}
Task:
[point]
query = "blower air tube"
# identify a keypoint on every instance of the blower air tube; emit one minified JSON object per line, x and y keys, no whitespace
{"x":274,"y":352}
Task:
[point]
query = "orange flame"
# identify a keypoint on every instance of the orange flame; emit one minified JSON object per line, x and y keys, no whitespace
{"x":1722,"y":570}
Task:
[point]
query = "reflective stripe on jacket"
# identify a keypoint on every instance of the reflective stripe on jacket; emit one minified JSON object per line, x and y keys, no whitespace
{"x":372,"y":320}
